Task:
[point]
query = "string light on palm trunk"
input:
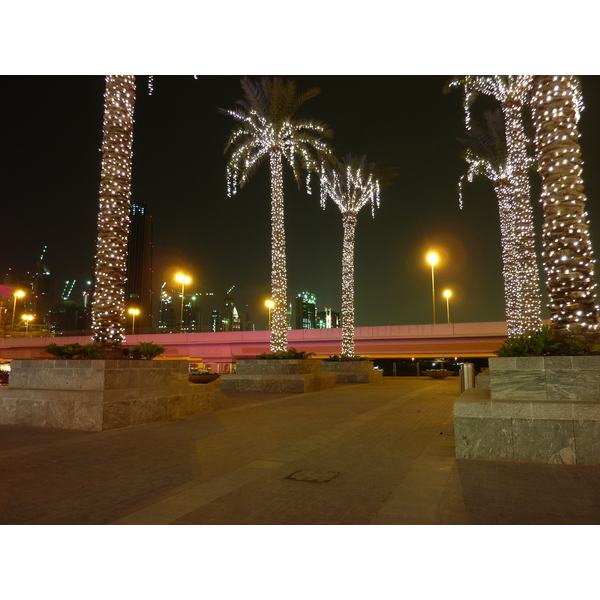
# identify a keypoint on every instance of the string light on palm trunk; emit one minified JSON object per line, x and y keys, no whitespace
{"x":108,"y":307}
{"x":511,"y":183}
{"x":351,"y":184}
{"x":556,"y":105}
{"x":267,"y":127}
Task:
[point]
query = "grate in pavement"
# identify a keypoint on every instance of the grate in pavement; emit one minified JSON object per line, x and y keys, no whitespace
{"x":313,"y":476}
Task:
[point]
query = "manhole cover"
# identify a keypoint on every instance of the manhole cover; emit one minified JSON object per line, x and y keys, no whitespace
{"x":313,"y":476}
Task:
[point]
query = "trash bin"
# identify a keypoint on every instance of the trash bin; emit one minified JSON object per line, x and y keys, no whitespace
{"x":467,"y":376}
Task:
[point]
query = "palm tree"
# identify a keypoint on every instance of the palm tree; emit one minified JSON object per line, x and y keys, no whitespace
{"x":511,"y":181}
{"x":485,"y":153}
{"x":556,"y":103}
{"x":351,"y":184}
{"x":269,"y":127}
{"x":108,"y":308}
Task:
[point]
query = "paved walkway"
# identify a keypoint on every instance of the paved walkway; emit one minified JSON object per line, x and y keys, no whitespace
{"x":361,"y":454}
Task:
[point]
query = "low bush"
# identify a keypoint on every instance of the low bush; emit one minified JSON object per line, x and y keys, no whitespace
{"x":344,"y":357}
{"x":144,"y":351}
{"x":545,"y":343}
{"x":73,"y":351}
{"x":289,"y":354}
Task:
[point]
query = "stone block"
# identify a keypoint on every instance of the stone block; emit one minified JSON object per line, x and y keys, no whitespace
{"x":277,"y":382}
{"x":511,"y":409}
{"x":279,"y":367}
{"x":331,"y":366}
{"x":545,"y":441}
{"x":519,"y":384}
{"x":483,"y":438}
{"x":558,"y":363}
{"x":530,"y":363}
{"x":92,"y":409}
{"x":587,"y":442}
{"x":586,"y":363}
{"x":588,"y":385}
{"x":562,"y":385}
{"x":562,"y":411}
{"x":502,"y":363}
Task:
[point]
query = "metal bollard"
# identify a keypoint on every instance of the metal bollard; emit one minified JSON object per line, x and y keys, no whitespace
{"x":467,"y":376}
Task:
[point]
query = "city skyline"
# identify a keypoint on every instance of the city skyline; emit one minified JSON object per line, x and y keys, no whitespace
{"x":402,"y":122}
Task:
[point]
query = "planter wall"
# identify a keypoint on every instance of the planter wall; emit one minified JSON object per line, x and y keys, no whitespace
{"x":97,"y":395}
{"x":538,"y":409}
{"x":353,"y":371}
{"x":278,"y":376}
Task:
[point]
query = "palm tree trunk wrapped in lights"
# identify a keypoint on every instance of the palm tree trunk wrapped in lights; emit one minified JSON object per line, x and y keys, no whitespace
{"x":556,"y":104}
{"x":349,"y":220}
{"x":351,"y":184}
{"x":278,"y":257}
{"x":501,"y":156}
{"x":108,"y":307}
{"x":268,"y":126}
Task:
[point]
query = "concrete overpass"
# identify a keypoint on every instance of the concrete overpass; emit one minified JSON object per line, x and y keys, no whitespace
{"x":460,"y":340}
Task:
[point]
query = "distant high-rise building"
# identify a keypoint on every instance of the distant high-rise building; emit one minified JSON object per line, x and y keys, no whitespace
{"x":139,"y":284}
{"x":196,"y":311}
{"x":231,"y":319}
{"x":306,"y":311}
{"x":327,"y":319}
{"x":216,"y":321}
{"x":247,"y":323}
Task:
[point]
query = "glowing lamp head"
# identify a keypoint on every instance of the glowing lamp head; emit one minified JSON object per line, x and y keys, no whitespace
{"x":19,"y":294}
{"x":134,"y":311}
{"x":27,"y":317}
{"x":447,"y":293}
{"x":181,"y":278}
{"x":270,"y":304}
{"x":432,"y":258}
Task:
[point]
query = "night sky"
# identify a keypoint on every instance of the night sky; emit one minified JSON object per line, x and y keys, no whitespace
{"x":50,"y":173}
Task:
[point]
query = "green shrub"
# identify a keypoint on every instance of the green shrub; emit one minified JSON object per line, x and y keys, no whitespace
{"x":144,"y":351}
{"x":344,"y":357}
{"x":544,"y":343}
{"x":290,"y":354}
{"x":73,"y":351}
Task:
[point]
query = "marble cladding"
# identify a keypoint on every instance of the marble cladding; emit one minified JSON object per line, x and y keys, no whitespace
{"x":96,"y":374}
{"x":280,"y":367}
{"x":562,"y":432}
{"x":332,"y":366}
{"x":569,"y":378}
{"x":101,"y":396}
{"x":294,"y":383}
{"x":353,"y":371}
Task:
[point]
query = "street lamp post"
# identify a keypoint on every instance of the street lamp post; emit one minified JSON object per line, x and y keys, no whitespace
{"x":447,"y":294}
{"x":270,"y":304}
{"x":18,"y":294}
{"x":183,"y":280}
{"x":133,"y":312}
{"x":27,"y":318}
{"x":432,"y":259}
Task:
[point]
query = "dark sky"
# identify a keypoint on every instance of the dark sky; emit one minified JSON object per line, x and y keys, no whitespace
{"x":50,"y":169}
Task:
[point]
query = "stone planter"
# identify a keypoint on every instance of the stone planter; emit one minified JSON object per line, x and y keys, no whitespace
{"x":96,"y":395}
{"x":353,"y":371}
{"x":195,"y":378}
{"x":541,"y":409}
{"x":278,"y":376}
{"x":438,"y":373}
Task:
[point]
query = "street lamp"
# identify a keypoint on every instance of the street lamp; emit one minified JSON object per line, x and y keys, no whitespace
{"x":447,"y":294}
{"x":270,"y":304}
{"x":27,"y":318}
{"x":133,"y":312}
{"x":183,"y":280}
{"x":432,"y":259}
{"x":18,"y":294}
